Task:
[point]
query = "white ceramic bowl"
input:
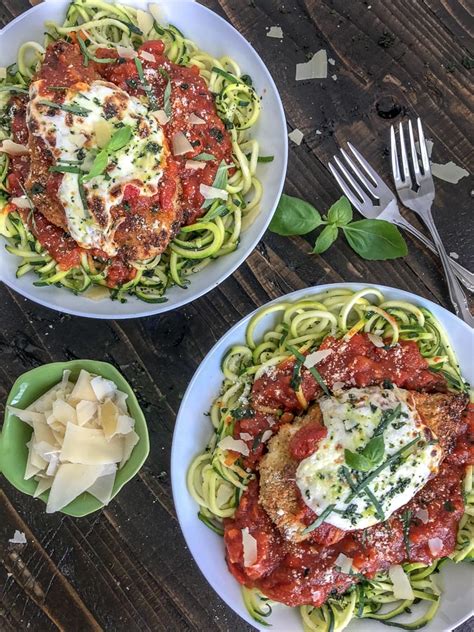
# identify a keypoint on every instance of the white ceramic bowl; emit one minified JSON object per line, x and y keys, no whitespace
{"x":192,"y":432}
{"x":218,"y":37}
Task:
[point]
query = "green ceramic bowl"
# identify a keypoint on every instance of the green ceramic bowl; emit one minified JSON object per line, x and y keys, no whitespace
{"x":16,"y":434}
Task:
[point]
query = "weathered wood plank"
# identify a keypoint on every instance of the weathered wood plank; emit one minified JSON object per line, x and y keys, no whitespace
{"x":127,"y":568}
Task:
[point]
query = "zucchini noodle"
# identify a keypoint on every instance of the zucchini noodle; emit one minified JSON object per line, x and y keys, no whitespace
{"x":216,"y":481}
{"x":214,"y":235}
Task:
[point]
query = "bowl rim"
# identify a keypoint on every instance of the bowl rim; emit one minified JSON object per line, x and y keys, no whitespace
{"x":242,"y":255}
{"x":180,"y":424}
{"x":92,"y":366}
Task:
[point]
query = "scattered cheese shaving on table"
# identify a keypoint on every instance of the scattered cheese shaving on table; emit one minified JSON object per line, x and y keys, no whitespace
{"x":275,"y":31}
{"x":315,"y":68}
{"x":18,"y":538}
{"x":296,"y":136}
{"x":449,"y":172}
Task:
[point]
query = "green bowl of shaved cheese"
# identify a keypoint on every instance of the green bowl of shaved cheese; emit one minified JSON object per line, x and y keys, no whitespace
{"x":73,"y":435}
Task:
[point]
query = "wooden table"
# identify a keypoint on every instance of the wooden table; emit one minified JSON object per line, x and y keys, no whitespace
{"x":127,"y":567}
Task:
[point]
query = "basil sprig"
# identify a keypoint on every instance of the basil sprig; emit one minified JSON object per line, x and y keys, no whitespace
{"x":372,"y":239}
{"x":120,"y":139}
{"x":152,"y":100}
{"x":368,"y":458}
{"x":167,"y":93}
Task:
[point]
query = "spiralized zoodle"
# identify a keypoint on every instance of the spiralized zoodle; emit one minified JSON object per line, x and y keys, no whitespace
{"x":217,"y":483}
{"x":215,"y":234}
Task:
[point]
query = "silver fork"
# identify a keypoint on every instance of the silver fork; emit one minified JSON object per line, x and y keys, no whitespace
{"x":385,"y":205}
{"x":416,"y":190}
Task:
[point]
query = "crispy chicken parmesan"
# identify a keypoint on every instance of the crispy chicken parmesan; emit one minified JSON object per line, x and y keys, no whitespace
{"x":340,"y":457}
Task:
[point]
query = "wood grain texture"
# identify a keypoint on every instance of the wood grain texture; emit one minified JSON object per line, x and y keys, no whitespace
{"x":127,"y":567}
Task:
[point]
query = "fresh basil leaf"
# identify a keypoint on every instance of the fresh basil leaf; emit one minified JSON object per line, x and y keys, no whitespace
{"x":220,"y":182}
{"x":98,"y":166}
{"x":167,"y":100}
{"x":294,"y":217}
{"x":120,"y":138}
{"x":340,"y":212}
{"x":325,"y":239}
{"x":375,"y":239}
{"x":374,"y":451}
{"x":357,"y":461}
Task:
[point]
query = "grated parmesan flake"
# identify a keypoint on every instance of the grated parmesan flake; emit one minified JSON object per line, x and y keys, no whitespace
{"x":316,"y":357}
{"x":449,"y":172}
{"x":296,"y":136}
{"x":249,"y":544}
{"x":275,"y":31}
{"x":315,"y":68}
{"x":18,"y":538}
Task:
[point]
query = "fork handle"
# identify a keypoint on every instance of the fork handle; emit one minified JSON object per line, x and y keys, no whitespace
{"x":458,"y":298}
{"x":464,"y":275}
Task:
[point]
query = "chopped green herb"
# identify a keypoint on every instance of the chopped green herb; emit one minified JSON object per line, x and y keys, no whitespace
{"x":242,"y":413}
{"x":82,"y":194}
{"x":257,"y":441}
{"x":317,"y":376}
{"x":406,"y":518}
{"x":220,"y":182}
{"x":295,"y":382}
{"x":73,"y":109}
{"x":319,"y":520}
{"x":37,"y":188}
{"x":204,"y":156}
{"x":65,"y":169}
{"x":145,"y":85}
{"x":387,"y":417}
{"x":230,"y":78}
{"x":167,"y":94}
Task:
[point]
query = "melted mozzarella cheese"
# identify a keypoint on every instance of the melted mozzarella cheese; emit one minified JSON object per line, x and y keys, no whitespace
{"x":71,"y":137}
{"x":351,"y":419}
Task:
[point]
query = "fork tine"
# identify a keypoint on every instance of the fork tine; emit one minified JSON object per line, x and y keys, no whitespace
{"x":359,"y":174}
{"x":394,"y":157}
{"x":345,"y":188}
{"x":414,"y":155}
{"x":365,"y":165}
{"x":425,"y":161}
{"x":403,"y":150}
{"x":360,"y":192}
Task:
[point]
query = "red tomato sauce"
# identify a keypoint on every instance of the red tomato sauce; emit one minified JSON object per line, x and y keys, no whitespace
{"x":59,"y":244}
{"x":305,"y":572}
{"x":189,"y":94}
{"x":19,"y":166}
{"x":354,"y":362}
